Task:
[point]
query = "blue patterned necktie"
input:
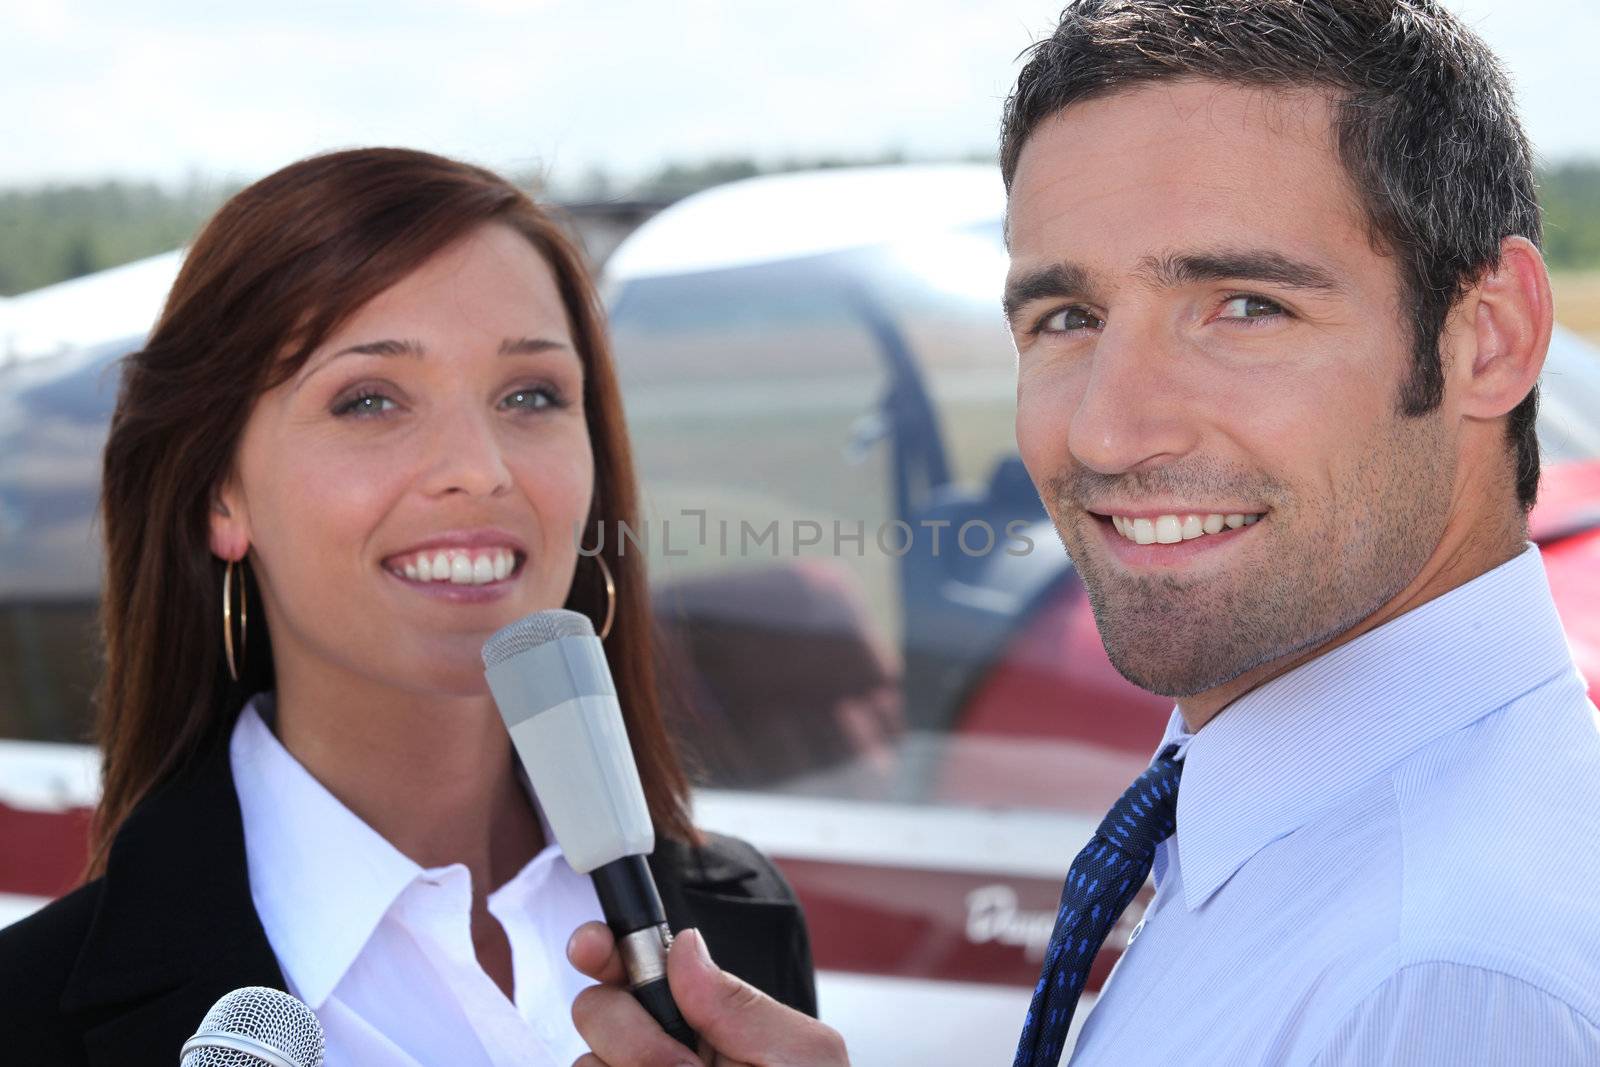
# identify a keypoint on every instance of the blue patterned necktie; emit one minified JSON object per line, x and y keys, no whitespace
{"x":1102,"y":882}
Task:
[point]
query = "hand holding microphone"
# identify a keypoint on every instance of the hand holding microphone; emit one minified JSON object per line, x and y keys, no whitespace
{"x":551,"y":682}
{"x":742,"y":1026}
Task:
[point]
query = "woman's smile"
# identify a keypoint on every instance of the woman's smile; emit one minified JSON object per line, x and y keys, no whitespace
{"x":469,"y":557}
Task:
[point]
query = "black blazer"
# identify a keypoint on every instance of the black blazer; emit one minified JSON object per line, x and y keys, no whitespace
{"x":120,"y":972}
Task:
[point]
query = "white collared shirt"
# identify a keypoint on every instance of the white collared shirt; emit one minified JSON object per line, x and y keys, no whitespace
{"x":381,"y":948}
{"x":1388,"y":856}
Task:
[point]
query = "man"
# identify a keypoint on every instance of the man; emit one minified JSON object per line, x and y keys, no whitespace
{"x":1277,"y":260}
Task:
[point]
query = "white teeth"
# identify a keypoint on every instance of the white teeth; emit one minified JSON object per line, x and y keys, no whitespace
{"x":1170,"y":529}
{"x":459,"y":566}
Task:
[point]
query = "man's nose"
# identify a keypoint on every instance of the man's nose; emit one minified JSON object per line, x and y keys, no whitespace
{"x":1132,"y":412}
{"x":467,"y":455}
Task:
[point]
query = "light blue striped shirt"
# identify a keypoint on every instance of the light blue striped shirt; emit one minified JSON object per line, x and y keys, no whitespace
{"x":1389,"y":855}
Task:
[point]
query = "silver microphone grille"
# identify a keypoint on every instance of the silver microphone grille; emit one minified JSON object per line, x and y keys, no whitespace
{"x":256,"y":1026}
{"x":535,"y":630}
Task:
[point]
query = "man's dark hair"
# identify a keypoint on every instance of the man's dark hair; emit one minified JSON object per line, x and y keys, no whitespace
{"x":1424,"y":121}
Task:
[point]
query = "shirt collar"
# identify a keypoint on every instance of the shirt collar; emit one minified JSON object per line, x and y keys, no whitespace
{"x":1283,"y":752}
{"x":321,"y":878}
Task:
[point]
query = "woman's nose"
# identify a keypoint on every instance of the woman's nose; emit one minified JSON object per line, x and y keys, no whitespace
{"x":466,"y":456}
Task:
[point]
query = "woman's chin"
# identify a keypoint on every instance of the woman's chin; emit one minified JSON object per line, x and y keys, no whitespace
{"x":440,"y":676}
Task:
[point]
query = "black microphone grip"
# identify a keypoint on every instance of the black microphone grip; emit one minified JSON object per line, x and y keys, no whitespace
{"x":633,"y":911}
{"x":657,"y":1000}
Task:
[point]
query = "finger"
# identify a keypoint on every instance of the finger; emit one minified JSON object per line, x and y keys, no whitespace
{"x":741,"y":1022}
{"x":622,"y":1034}
{"x":593,"y":951}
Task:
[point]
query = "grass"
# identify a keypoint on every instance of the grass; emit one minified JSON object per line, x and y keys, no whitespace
{"x":1578,"y":302}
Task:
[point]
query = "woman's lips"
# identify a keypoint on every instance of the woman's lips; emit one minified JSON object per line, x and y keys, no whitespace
{"x":476,"y":566}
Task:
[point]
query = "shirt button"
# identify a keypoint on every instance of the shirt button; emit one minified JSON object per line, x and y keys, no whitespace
{"x":1135,"y":934}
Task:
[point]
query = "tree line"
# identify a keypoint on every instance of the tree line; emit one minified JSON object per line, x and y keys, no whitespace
{"x":53,"y":233}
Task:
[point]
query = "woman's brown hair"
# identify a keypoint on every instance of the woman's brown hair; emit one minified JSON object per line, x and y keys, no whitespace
{"x":273,"y":273}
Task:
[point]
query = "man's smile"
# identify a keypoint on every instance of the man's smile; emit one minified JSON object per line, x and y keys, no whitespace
{"x":1169,"y":529}
{"x":1143,"y":538}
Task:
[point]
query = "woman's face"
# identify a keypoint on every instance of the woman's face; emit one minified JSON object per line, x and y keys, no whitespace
{"x":417,"y":484}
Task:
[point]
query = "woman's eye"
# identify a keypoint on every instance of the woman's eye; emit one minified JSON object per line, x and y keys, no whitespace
{"x":531,"y":399}
{"x":365,"y":405}
{"x":1070,"y":320}
{"x":1250,"y":307}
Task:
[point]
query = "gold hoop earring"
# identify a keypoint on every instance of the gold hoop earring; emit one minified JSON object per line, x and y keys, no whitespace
{"x":611,"y":596}
{"x":227,"y":619}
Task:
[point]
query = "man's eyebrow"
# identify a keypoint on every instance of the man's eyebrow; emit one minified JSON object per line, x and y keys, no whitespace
{"x":1262,"y":265}
{"x":1055,"y":280}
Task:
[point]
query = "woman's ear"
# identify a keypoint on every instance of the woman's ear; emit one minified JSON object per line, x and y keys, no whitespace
{"x":230,"y":522}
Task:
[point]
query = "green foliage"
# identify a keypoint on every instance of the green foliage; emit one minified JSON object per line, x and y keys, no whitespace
{"x":62,"y":231}
{"x":675,"y":180}
{"x":1570,"y":194}
{"x":57,"y":232}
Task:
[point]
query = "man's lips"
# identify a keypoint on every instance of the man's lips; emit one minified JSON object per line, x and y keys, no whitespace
{"x":1137,"y":540}
{"x":1149,"y":526}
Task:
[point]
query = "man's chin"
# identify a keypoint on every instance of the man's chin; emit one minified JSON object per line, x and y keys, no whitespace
{"x":1173,"y":657}
{"x":1169,"y":675}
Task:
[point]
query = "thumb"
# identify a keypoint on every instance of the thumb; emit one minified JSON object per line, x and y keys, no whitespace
{"x":741,"y":1022}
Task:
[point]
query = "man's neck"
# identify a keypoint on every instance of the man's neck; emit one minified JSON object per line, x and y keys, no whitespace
{"x":1457,"y":561}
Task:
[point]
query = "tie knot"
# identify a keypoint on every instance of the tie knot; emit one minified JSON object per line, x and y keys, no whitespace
{"x":1146,"y":814}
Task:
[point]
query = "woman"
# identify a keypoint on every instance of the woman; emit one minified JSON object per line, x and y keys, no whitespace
{"x":374,"y":420}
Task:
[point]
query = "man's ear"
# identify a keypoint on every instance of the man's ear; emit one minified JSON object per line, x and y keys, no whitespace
{"x":1512,"y":314}
{"x":230,"y":522}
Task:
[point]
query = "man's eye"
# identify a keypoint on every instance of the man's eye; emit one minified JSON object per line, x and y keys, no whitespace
{"x":1250,"y":307}
{"x":1070,"y":320}
{"x":365,"y":405}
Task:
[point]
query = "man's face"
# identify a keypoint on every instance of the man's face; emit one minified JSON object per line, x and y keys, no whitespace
{"x":1210,"y":360}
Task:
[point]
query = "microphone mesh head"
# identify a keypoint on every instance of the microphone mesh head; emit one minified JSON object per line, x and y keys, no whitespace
{"x":280,"y":1025}
{"x":535,"y":630}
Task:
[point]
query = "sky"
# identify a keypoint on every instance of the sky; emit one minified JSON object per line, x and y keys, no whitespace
{"x":173,"y":91}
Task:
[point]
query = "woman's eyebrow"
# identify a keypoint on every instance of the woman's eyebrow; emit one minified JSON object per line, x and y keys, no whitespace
{"x":380,"y":348}
{"x":511,"y":346}
{"x":529,"y":346}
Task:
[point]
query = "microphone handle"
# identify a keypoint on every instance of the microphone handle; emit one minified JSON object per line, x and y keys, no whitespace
{"x":633,"y":910}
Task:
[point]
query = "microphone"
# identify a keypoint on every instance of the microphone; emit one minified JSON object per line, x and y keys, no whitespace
{"x":256,"y":1026}
{"x":551,"y":682}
